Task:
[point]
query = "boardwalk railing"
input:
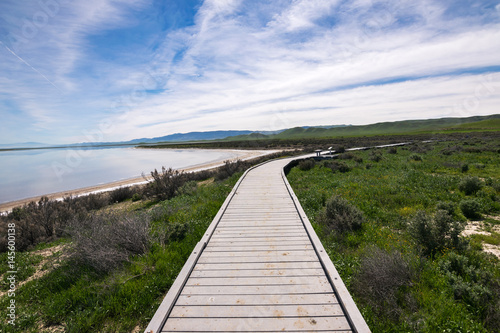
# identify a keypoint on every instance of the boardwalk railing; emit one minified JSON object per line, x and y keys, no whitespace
{"x":260,"y":267}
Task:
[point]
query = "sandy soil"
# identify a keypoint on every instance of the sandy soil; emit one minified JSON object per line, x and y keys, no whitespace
{"x":477,"y":227}
{"x":248,"y":154}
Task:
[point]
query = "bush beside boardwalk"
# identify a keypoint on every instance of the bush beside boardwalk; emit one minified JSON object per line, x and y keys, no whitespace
{"x":406,"y":264}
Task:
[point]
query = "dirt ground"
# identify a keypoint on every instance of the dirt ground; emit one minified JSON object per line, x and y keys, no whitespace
{"x":477,"y":228}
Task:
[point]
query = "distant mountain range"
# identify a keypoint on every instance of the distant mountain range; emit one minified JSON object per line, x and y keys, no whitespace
{"x":198,"y":136}
{"x":476,"y":123}
{"x":177,"y":137}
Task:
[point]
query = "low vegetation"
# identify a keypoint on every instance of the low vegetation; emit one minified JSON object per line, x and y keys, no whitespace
{"x":393,"y":224}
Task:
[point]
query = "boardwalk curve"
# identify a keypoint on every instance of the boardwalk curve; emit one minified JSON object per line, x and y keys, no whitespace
{"x":260,"y":267}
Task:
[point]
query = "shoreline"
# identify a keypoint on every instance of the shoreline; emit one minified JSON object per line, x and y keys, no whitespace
{"x":106,"y":187}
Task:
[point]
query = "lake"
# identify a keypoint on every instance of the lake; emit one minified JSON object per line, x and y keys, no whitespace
{"x":30,"y":173}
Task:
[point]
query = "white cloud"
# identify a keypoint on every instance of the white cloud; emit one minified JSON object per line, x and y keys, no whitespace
{"x":302,"y":13}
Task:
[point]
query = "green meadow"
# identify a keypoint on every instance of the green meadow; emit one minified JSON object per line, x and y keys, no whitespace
{"x":399,"y":249}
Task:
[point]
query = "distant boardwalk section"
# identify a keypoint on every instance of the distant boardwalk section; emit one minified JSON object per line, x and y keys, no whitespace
{"x":259,"y":268}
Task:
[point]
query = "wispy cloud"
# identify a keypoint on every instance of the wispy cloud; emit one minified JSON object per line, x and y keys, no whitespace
{"x":253,"y":65}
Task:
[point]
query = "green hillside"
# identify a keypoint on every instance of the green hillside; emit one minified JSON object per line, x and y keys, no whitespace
{"x":484,"y":125}
{"x":398,"y":127}
{"x":446,"y":125}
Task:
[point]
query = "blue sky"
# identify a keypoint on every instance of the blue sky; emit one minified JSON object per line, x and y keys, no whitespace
{"x":109,"y":70}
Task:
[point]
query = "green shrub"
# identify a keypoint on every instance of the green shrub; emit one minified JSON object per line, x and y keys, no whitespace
{"x":341,"y":217}
{"x":471,"y":208}
{"x":496,"y":186}
{"x":416,"y":157}
{"x":338,"y":166}
{"x":435,"y":233}
{"x":306,"y":165}
{"x":346,"y":156}
{"x":165,"y":184}
{"x":474,"y":285}
{"x":464,"y":168}
{"x":189,"y":188}
{"x":376,"y":156}
{"x":230,"y":168}
{"x":176,"y":232}
{"x":120,"y":194}
{"x":451,"y":149}
{"x":340,"y":150}
{"x":392,"y":150}
{"x":136,"y":197}
{"x":447,"y":206}
{"x":470,"y":185}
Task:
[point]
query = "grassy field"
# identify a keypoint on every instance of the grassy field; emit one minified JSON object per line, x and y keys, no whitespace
{"x":397,"y":247}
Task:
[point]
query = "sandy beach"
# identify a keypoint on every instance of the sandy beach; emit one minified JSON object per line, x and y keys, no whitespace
{"x":248,"y":154}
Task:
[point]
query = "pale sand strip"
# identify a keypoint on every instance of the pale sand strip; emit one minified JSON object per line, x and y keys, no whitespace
{"x":249,"y":154}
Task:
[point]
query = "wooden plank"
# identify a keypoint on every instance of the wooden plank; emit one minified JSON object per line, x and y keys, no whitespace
{"x":257,"y":242}
{"x":259,"y":265}
{"x":263,"y":237}
{"x":252,"y":290}
{"x":257,"y":281}
{"x":262,"y":220}
{"x":322,"y":331}
{"x":258,"y":272}
{"x":265,"y":247}
{"x":298,"y":324}
{"x":262,"y":311}
{"x":261,"y":234}
{"x":250,"y":259}
{"x":261,"y":226}
{"x":219,"y":300}
{"x":258,"y":254}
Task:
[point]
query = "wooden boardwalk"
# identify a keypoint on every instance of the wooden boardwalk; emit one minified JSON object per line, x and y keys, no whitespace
{"x":259,"y":268}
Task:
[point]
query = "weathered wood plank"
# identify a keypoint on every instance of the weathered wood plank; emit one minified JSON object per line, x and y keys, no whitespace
{"x":257,"y":281}
{"x":258,"y":265}
{"x":263,"y":237}
{"x":263,"y":311}
{"x":248,"y":246}
{"x":262,"y":259}
{"x":257,"y":242}
{"x":259,"y":253}
{"x":298,"y":324}
{"x":229,"y":300}
{"x":258,"y":272}
{"x":252,"y":290}
{"x":261,"y":234}
{"x":260,"y":227}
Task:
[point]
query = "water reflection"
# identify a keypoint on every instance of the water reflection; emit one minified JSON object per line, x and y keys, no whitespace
{"x":29,"y":173}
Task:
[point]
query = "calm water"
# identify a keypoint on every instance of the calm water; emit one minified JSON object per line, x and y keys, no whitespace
{"x":29,"y":173}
